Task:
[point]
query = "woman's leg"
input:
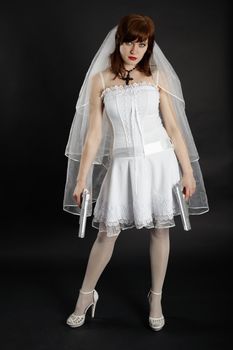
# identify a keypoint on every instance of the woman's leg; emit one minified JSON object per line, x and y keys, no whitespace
{"x":159,"y":254}
{"x":99,"y":257}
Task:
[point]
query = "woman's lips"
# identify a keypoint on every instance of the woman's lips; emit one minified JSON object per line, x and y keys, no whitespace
{"x":132,"y":58}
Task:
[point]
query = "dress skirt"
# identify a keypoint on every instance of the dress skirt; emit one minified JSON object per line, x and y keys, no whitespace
{"x":138,"y":192}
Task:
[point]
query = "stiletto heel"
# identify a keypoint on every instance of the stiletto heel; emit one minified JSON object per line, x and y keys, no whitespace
{"x":156,"y":323}
{"x":75,"y":320}
{"x":93,"y":310}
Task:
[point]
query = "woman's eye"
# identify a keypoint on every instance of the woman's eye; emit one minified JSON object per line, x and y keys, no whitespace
{"x":129,"y":43}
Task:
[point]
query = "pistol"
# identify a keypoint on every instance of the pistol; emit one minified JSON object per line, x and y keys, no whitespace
{"x":183,"y":207}
{"x":85,"y":197}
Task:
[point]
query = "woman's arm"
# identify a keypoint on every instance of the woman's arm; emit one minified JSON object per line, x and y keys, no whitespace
{"x":180,"y":147}
{"x":94,"y":132}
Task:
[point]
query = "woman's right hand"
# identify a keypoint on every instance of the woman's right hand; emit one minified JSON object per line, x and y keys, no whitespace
{"x":80,"y":185}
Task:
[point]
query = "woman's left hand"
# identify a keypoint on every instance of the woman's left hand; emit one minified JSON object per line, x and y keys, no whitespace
{"x":189,"y":185}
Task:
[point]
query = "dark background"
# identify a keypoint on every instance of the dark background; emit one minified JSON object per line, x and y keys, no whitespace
{"x":46,"y":48}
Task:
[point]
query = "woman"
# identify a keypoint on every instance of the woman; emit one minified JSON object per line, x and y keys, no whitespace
{"x":137,"y":130}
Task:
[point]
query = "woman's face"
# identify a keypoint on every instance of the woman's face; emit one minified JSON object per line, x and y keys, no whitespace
{"x":133,"y":49}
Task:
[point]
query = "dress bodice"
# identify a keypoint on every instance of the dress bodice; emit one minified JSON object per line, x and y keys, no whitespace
{"x":133,"y":111}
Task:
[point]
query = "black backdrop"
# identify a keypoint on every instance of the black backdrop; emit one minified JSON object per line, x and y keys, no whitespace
{"x":46,"y":48}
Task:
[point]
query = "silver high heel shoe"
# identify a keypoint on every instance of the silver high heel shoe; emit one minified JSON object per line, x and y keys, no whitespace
{"x":75,"y":320}
{"x":156,"y":323}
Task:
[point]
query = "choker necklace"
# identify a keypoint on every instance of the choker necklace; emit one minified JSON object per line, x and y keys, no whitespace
{"x":127,"y":78}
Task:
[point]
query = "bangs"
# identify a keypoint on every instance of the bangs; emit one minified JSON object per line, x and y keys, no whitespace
{"x":138,"y":34}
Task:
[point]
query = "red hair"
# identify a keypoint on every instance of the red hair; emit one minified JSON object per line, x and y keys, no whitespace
{"x":133,"y":27}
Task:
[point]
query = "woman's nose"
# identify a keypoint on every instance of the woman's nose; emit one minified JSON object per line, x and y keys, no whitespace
{"x":133,"y":49}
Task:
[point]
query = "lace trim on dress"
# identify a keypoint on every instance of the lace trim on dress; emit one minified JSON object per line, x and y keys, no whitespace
{"x":113,"y":228}
{"x":126,"y":87}
{"x":106,"y":221}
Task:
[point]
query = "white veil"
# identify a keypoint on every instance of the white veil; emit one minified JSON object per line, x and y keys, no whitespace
{"x":170,"y":83}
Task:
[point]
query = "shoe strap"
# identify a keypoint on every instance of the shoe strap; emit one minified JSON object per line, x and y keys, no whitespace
{"x":156,"y":293}
{"x":81,"y":291}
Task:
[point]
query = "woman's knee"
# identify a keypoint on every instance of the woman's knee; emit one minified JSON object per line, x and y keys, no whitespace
{"x":159,"y":232}
{"x":103,"y":238}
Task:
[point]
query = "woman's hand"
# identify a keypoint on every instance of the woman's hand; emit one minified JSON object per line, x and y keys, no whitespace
{"x":189,"y":185}
{"x":78,"y":190}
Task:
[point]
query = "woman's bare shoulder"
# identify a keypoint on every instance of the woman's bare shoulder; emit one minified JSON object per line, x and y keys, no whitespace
{"x":105,"y":80}
{"x":108,"y":76}
{"x":99,"y":83}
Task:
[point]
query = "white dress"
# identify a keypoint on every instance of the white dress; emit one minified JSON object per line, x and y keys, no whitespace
{"x":137,"y":190}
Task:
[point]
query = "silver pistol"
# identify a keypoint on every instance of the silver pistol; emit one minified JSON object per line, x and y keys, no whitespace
{"x":85,"y":197}
{"x":183,"y":207}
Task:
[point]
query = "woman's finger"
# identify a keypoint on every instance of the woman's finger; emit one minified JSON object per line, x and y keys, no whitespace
{"x":187,"y":193}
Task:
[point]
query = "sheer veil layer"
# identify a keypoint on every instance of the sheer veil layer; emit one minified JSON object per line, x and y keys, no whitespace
{"x":168,"y":82}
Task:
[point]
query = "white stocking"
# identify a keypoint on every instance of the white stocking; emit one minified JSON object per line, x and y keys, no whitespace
{"x":99,"y":257}
{"x":159,"y":254}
